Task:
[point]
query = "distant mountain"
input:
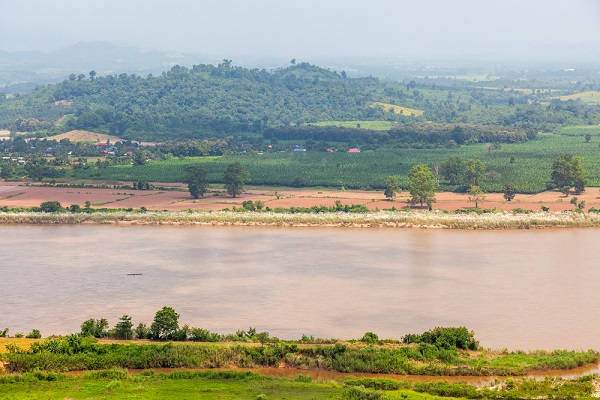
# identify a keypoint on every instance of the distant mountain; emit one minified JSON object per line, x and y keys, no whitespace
{"x":20,"y":72}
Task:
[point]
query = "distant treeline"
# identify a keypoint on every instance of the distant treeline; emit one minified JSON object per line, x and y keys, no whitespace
{"x":418,"y":133}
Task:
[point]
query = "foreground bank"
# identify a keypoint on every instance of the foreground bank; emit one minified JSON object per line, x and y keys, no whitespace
{"x":119,"y":384}
{"x":380,"y":219}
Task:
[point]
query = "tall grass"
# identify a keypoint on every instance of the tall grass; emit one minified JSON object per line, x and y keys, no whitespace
{"x":421,"y":359}
{"x":391,"y":219}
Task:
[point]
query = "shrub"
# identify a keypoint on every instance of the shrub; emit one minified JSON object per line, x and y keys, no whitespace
{"x":369,"y":337}
{"x":50,"y":206}
{"x":360,"y":393}
{"x":35,"y":334}
{"x":446,"y":338}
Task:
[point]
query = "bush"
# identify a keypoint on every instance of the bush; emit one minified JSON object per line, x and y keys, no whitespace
{"x":370,"y":337}
{"x":50,"y":206}
{"x":446,"y":338}
{"x":378,"y":383}
{"x":35,"y":334}
{"x":360,"y":393}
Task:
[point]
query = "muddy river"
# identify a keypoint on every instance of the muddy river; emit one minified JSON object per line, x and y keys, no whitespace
{"x":515,"y":289}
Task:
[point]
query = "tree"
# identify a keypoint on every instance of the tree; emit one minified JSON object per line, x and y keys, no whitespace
{"x":391,"y":187}
{"x":509,"y":191}
{"x":94,"y":327}
{"x":476,"y":195}
{"x":422,"y":184}
{"x":92,"y":75}
{"x":34,"y":334}
{"x":474,"y":170}
{"x":123,"y":329}
{"x":453,"y":170}
{"x":235,"y":176}
{"x":165,"y":323}
{"x":50,"y":206}
{"x":588,"y":137}
{"x":7,"y":171}
{"x":578,"y":204}
{"x":139,"y":158}
{"x":142,"y":331}
{"x":493,"y":147}
{"x":567,"y":171}
{"x":196,"y":179}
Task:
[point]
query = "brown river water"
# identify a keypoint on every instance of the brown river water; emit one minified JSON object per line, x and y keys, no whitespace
{"x":515,"y":289}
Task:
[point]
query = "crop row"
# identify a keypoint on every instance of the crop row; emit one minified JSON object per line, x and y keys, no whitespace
{"x":527,"y":165}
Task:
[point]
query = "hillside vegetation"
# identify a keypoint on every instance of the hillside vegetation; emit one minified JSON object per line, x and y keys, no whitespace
{"x":225,"y":100}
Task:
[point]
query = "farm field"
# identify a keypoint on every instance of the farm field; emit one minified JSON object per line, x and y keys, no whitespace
{"x":399,"y":109}
{"x":587,"y":97}
{"x":15,"y":195}
{"x":85,"y":136}
{"x":580,"y":130}
{"x":529,"y":171}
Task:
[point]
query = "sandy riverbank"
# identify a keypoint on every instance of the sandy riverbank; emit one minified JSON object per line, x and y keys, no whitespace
{"x":382,"y":219}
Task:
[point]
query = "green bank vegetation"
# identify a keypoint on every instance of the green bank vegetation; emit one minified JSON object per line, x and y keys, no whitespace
{"x":440,"y":351}
{"x":119,"y":384}
{"x":38,"y":371}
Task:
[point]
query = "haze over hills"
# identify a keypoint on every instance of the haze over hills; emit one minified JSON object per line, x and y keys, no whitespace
{"x":21,"y":71}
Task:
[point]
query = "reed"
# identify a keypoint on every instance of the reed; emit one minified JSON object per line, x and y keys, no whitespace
{"x":381,"y":219}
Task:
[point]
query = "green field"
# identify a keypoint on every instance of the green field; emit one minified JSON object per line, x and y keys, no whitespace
{"x":182,"y":385}
{"x":580,"y":130}
{"x":530,"y":171}
{"x":148,"y":385}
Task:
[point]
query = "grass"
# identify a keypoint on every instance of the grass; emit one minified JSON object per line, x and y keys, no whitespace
{"x":119,"y":384}
{"x":384,"y":219}
{"x":399,"y":109}
{"x":586,"y":97}
{"x":374,"y":125}
{"x":85,"y":136}
{"x":21,"y":342}
{"x":176,"y":385}
{"x":75,"y":353}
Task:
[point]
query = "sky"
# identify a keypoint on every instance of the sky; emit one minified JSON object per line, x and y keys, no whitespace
{"x":302,"y":29}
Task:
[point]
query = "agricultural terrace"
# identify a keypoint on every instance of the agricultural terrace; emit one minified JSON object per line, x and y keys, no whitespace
{"x":527,"y":165}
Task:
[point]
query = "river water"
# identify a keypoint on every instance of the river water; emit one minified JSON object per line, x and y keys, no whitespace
{"x":515,"y":289}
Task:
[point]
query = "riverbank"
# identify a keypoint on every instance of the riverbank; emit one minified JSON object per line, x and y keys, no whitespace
{"x":381,"y":219}
{"x":120,"y":384}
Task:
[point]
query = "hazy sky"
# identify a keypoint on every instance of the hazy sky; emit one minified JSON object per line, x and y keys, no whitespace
{"x":301,"y":28}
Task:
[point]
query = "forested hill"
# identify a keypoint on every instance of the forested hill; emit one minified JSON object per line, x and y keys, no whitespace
{"x":226,"y":100}
{"x":198,"y":102}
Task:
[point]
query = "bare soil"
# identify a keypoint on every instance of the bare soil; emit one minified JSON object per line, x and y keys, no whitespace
{"x":19,"y":194}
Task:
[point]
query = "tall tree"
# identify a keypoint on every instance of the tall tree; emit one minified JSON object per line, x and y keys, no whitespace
{"x":165,"y":324}
{"x":196,"y":179}
{"x":392,"y":184}
{"x":123,"y":329}
{"x":509,"y":191}
{"x":422,"y":184}
{"x":235,"y":177}
{"x":567,"y":172}
{"x":474,"y":171}
{"x":453,"y":169}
